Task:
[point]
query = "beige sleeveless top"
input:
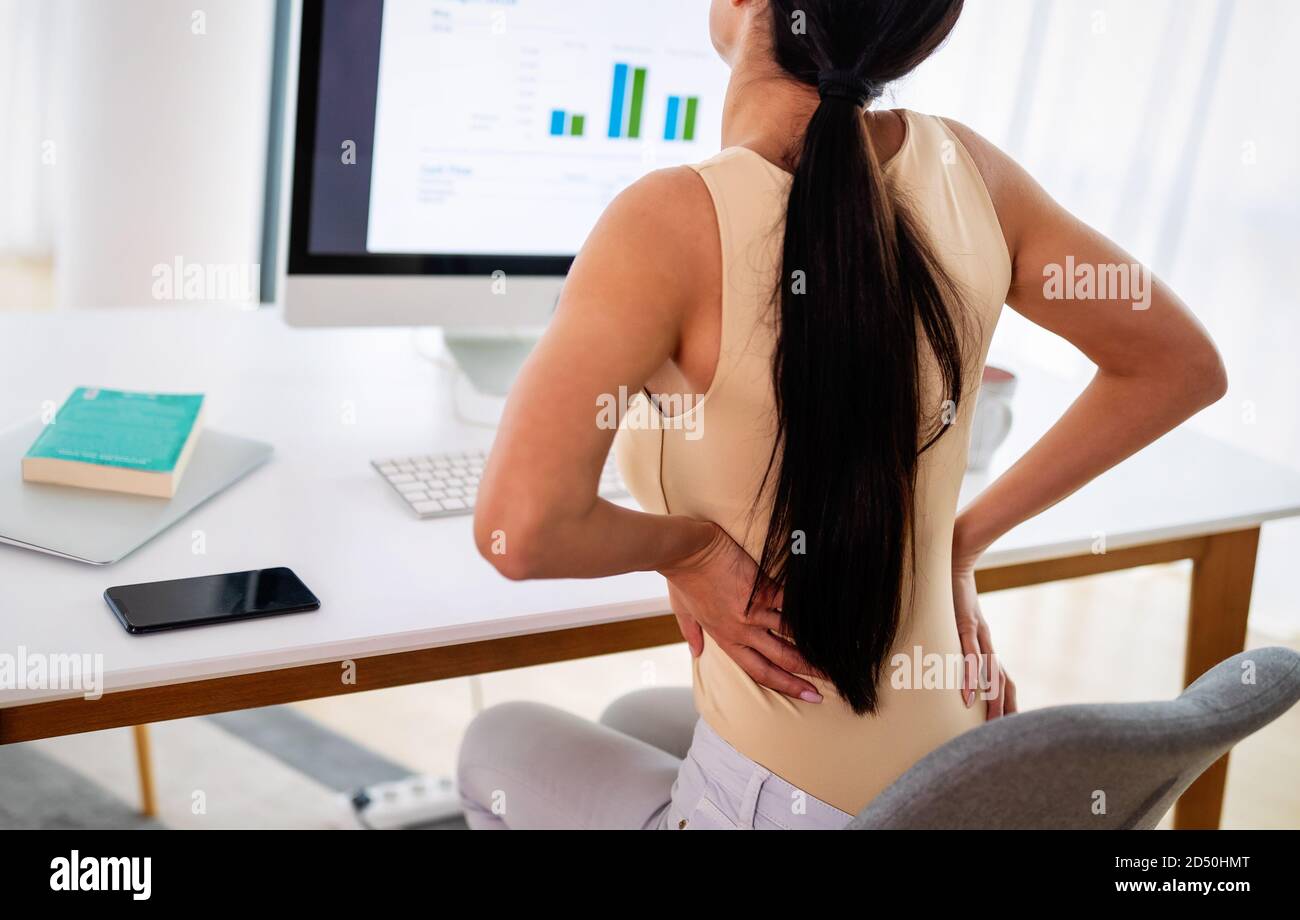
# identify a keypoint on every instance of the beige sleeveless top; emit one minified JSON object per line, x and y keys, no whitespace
{"x":711,"y":466}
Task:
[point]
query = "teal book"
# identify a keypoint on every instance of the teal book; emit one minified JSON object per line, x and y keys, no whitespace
{"x":117,"y":441}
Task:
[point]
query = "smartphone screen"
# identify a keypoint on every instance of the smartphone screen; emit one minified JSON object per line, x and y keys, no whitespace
{"x":160,"y":605}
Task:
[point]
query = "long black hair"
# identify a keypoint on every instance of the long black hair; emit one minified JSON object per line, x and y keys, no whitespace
{"x":861,"y":296}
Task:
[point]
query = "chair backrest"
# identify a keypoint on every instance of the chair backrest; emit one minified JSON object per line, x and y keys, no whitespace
{"x":1107,"y":766}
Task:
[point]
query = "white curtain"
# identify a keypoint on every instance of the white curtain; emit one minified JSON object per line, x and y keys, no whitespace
{"x":132,"y":134}
{"x":163,"y":157}
{"x":26,"y":131}
{"x":1172,"y":126}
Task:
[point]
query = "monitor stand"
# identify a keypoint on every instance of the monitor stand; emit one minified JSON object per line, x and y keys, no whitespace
{"x":491,"y":358}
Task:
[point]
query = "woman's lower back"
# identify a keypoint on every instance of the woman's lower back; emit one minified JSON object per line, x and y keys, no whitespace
{"x":825,"y":749}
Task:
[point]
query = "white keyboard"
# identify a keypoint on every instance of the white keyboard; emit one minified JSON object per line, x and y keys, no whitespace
{"x":446,"y":485}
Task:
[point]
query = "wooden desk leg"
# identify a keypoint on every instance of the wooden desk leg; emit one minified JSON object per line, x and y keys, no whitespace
{"x":144,"y":763}
{"x":1222,"y":577}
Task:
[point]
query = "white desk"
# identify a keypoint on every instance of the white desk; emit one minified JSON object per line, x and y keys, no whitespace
{"x":411,"y":600}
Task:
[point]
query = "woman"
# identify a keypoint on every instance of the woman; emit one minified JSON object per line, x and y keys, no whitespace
{"x":829,"y":283}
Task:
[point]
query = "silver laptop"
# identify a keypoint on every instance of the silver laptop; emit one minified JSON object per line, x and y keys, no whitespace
{"x":103,"y":527}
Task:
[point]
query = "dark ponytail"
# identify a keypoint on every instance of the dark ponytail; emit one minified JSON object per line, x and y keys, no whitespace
{"x":859,"y":288}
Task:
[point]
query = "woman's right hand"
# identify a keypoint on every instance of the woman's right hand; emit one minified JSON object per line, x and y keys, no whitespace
{"x":709,"y":592}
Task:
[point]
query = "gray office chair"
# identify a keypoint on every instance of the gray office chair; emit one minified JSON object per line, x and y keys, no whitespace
{"x":1111,"y":766}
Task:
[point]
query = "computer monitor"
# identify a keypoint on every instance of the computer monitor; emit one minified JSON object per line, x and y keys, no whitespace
{"x":452,"y":155}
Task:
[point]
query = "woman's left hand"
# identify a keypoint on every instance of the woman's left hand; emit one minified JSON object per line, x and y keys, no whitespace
{"x":982,"y":673}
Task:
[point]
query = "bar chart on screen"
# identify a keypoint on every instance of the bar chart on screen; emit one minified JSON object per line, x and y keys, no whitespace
{"x":567,"y":124}
{"x":570,"y":101}
{"x":627,"y":101}
{"x":679,"y":123}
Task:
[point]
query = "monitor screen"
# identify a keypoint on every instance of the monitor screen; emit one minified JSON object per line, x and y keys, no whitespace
{"x":483,"y":129}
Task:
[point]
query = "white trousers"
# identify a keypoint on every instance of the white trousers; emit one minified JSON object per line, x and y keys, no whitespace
{"x":649,"y":763}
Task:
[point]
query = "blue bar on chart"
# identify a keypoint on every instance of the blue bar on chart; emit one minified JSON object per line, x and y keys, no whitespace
{"x":670,"y":122}
{"x":616,"y":102}
{"x":557,"y":122}
{"x":627,"y":99}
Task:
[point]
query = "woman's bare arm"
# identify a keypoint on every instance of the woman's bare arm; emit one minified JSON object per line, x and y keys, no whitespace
{"x":619,"y":320}
{"x":1156,"y":365}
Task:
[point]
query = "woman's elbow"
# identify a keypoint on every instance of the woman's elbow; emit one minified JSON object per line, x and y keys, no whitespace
{"x":1207,"y":376}
{"x":509,"y":539}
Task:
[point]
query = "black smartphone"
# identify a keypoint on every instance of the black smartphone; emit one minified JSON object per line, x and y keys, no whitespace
{"x":160,"y":605}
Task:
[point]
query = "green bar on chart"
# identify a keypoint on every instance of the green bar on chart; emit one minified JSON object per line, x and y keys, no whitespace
{"x":576,"y":125}
{"x":692,"y":106}
{"x":638,"y":98}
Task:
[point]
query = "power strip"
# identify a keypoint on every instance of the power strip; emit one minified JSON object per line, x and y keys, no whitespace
{"x":408,"y":802}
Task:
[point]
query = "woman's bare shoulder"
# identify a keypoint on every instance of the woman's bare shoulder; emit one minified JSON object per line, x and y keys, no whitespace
{"x":1019,"y":200}
{"x":660,"y":230}
{"x":650,"y":255}
{"x":674,"y":202}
